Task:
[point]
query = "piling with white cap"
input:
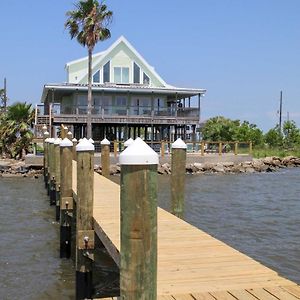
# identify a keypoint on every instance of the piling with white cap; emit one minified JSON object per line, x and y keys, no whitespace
{"x":69,"y":135}
{"x":85,"y":235}
{"x":66,"y":196}
{"x":105,"y":157}
{"x":178,"y":166}
{"x":57,"y":176}
{"x":128,"y":142}
{"x":51,"y":179}
{"x":74,"y":141}
{"x":45,"y":157}
{"x":138,"y":265}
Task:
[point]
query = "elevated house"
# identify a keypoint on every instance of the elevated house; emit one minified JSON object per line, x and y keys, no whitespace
{"x":129,"y":99}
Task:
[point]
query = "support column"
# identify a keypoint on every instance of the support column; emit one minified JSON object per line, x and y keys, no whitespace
{"x":45,"y":158}
{"x":85,"y":235}
{"x":138,"y":265}
{"x":57,"y":178}
{"x":52,"y":191}
{"x":178,"y":166}
{"x":66,"y":199}
{"x":105,"y":157}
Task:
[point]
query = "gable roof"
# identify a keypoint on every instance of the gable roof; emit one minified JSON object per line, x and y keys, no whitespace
{"x":101,"y":57}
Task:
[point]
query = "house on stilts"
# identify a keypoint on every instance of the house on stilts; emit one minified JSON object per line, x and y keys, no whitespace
{"x":129,"y":99}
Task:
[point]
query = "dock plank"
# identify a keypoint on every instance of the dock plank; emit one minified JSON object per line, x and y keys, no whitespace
{"x":191,"y":263}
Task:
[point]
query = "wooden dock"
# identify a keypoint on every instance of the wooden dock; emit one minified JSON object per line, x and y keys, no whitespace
{"x":192,"y":264}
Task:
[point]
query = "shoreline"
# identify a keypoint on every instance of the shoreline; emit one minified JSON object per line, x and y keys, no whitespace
{"x":17,"y":168}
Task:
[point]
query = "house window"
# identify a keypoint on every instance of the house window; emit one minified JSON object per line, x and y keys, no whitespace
{"x":121,"y":101}
{"x":106,"y":72}
{"x":146,"y":79}
{"x":96,"y":77}
{"x":136,"y":73}
{"x":121,"y":74}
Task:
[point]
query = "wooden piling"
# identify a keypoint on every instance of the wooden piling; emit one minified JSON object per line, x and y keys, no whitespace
{"x":162,"y":149}
{"x":115,"y":149}
{"x":69,"y":135}
{"x":138,"y":264}
{"x":85,"y":235}
{"x":105,"y":157}
{"x":57,"y":177}
{"x":220,"y":148}
{"x":236,"y":148}
{"x":250,"y":148}
{"x":178,"y":165}
{"x":66,"y":199}
{"x":202,"y":148}
{"x":52,"y":172}
{"x":74,"y":140}
{"x":45,"y":158}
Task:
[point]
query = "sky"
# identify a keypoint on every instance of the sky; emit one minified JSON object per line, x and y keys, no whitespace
{"x":242,"y":52}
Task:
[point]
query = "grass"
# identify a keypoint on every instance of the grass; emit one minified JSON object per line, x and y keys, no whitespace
{"x":280,"y":152}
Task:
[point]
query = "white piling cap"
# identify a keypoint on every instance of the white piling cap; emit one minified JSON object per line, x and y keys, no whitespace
{"x":128,"y":142}
{"x":179,"y":144}
{"x":44,"y":127}
{"x":66,"y":143}
{"x":70,"y":133}
{"x":91,"y":140}
{"x":105,"y":142}
{"x":46,"y":132}
{"x":74,"y":140}
{"x":85,"y":145}
{"x":47,"y":140}
{"x":51,"y":140}
{"x":57,"y":141}
{"x":80,"y":140}
{"x":138,"y":153}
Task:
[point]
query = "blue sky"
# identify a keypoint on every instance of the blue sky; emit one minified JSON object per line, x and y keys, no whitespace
{"x":242,"y":52}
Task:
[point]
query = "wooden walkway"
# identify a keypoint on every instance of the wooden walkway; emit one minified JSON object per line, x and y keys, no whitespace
{"x":191,"y":264}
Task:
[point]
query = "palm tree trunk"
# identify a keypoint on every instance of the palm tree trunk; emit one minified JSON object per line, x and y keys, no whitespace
{"x":89,"y":100}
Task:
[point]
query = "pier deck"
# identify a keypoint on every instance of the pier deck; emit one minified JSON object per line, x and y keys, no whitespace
{"x":191,"y":263}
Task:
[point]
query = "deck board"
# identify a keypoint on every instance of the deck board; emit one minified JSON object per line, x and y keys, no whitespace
{"x":191,"y":263}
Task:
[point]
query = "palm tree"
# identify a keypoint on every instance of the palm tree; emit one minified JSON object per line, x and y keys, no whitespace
{"x":16,"y":130}
{"x":88,"y":23}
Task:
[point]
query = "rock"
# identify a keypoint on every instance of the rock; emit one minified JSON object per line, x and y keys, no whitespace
{"x":250,"y":170}
{"x":160,"y":169}
{"x":191,"y":168}
{"x":219,"y":168}
{"x":208,"y":166}
{"x":167,"y":168}
{"x":113,"y":170}
{"x":198,"y":166}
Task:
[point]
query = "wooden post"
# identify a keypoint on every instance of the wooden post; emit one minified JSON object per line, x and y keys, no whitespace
{"x":57,"y":177}
{"x":162,"y":149}
{"x":74,"y":140}
{"x":220,"y":148}
{"x":85,"y":235}
{"x":250,"y":147}
{"x":236,"y":148}
{"x":202,"y":148}
{"x":105,"y":157}
{"x":45,"y":158}
{"x":138,"y":264}
{"x":69,"y":135}
{"x":66,"y":197}
{"x":178,"y":165}
{"x":52,"y":172}
{"x":115,"y":149}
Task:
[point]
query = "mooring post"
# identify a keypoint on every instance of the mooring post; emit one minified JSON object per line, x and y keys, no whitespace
{"x":162,"y":149}
{"x":52,"y":191}
{"x":45,"y":158}
{"x":70,"y":135}
{"x":115,"y":149}
{"x":202,"y":148}
{"x":66,"y":197}
{"x":85,"y":235}
{"x":250,"y":147}
{"x":178,"y":166}
{"x":57,"y":177}
{"x":138,"y":265}
{"x":74,"y":141}
{"x":105,"y":157}
{"x":236,"y":148}
{"x":220,"y":148}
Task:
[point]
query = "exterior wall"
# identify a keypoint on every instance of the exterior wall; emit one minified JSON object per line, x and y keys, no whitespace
{"x":119,"y":56}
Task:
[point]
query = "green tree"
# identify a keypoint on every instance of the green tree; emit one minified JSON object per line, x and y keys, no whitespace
{"x":291,"y":134}
{"x":88,"y":24}
{"x":273,"y":137}
{"x":16,"y":130}
{"x":249,"y":132}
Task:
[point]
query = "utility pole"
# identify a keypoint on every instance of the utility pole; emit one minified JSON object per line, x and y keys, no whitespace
{"x":280,"y":112}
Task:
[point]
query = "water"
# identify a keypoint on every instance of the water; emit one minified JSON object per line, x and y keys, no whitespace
{"x":259,"y":214}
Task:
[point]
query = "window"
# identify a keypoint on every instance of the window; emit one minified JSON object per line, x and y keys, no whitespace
{"x":96,"y":77}
{"x":136,"y":73}
{"x":121,"y":101}
{"x":106,"y":72}
{"x":121,"y":74}
{"x":146,"y":79}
